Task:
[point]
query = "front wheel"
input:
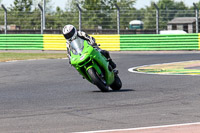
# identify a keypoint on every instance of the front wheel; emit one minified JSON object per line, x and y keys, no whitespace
{"x":117,"y":84}
{"x":97,"y":80}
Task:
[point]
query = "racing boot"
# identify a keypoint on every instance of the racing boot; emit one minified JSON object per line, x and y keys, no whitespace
{"x":113,"y":65}
{"x":115,"y":71}
{"x":107,"y":55}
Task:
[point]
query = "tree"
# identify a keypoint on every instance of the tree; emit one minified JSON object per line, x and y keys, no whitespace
{"x":127,"y":12}
{"x":126,"y":4}
{"x":150,"y":17}
{"x":49,"y":13}
{"x":102,"y":13}
{"x":96,"y":13}
{"x":22,"y":5}
{"x":58,"y":18}
{"x":20,"y":13}
{"x":197,"y":4}
{"x":1,"y":14}
{"x":168,"y":9}
{"x":48,"y":5}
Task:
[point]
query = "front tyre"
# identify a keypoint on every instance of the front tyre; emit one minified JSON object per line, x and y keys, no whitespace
{"x":97,"y":80}
{"x":117,"y":84}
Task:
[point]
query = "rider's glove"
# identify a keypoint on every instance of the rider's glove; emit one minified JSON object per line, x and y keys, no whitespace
{"x":94,"y":44}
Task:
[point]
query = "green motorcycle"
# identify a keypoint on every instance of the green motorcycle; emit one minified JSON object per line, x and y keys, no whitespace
{"x":93,"y":66}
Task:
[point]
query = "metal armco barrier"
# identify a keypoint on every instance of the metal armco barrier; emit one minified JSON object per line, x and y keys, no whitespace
{"x":127,"y":42}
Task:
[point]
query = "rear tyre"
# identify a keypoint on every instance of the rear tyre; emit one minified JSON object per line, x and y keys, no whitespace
{"x":117,"y":84}
{"x":97,"y":80}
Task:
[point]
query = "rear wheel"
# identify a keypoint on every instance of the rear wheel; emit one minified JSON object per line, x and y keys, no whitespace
{"x":98,"y":80}
{"x":117,"y":84}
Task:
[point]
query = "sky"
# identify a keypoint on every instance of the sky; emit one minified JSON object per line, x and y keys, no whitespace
{"x":139,"y":3}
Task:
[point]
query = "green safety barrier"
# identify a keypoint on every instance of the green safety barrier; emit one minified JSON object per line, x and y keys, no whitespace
{"x":109,"y":42}
{"x":21,"y":42}
{"x":159,"y":42}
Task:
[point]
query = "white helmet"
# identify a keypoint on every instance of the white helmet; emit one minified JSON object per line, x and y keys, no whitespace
{"x":69,"y":32}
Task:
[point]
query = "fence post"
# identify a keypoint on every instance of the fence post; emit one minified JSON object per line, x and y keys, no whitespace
{"x":44,"y":4}
{"x":197,"y":17}
{"x":118,"y":19}
{"x":80,"y":16}
{"x":5,"y":18}
{"x":157,"y":19}
{"x":41,"y":9}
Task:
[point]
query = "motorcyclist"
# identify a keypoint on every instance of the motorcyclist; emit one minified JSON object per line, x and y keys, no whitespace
{"x":70,"y":33}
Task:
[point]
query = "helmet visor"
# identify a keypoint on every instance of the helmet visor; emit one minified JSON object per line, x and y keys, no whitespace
{"x":70,"y":34}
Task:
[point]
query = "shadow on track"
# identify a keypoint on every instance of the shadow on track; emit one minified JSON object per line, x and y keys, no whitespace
{"x":110,"y":91}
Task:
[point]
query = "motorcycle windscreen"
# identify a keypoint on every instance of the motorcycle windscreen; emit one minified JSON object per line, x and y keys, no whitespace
{"x":77,"y":46}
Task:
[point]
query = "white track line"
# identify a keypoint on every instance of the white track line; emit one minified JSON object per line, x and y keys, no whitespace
{"x":132,"y":69}
{"x":142,"y":128}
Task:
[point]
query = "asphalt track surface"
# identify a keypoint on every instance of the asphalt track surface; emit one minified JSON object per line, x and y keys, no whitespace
{"x":48,"y":96}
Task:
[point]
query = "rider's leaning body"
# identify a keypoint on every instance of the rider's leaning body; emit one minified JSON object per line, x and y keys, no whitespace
{"x":70,"y":33}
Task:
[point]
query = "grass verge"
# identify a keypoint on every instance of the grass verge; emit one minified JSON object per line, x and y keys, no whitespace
{"x":26,"y":56}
